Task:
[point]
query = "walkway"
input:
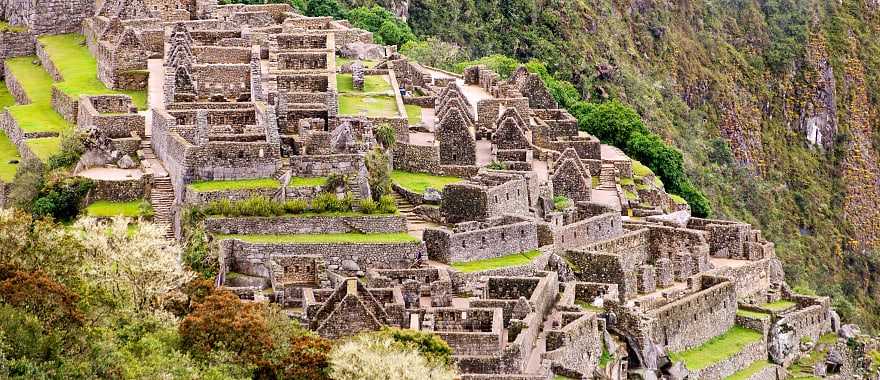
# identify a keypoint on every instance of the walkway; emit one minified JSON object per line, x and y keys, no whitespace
{"x":415,"y":224}
{"x":473,"y":94}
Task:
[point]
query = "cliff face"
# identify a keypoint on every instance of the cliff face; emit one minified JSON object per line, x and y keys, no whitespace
{"x":773,"y":103}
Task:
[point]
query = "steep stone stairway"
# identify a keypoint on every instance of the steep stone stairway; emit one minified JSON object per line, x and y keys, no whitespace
{"x":162,"y":199}
{"x":415,"y":224}
{"x":608,"y":178}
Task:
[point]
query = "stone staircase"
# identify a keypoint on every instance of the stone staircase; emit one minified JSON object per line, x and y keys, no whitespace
{"x":608,"y":178}
{"x":162,"y":200}
{"x":415,"y":225}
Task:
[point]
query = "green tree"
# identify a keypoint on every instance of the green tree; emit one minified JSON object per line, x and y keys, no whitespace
{"x":379,"y":173}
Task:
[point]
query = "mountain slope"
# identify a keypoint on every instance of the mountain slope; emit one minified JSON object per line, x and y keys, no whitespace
{"x":773,"y":103}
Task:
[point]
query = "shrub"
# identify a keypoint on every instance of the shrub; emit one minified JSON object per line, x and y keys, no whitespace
{"x":368,"y":206}
{"x":145,"y":209}
{"x":495,"y":165}
{"x":323,"y":202}
{"x":561,"y":203}
{"x":334,"y":181}
{"x":379,"y":356}
{"x":386,"y":136}
{"x":61,"y":199}
{"x":379,"y":173}
{"x":431,"y":346}
{"x":72,"y":147}
{"x":27,"y":183}
{"x":387,"y":204}
{"x":296,"y":206}
{"x":259,"y":206}
{"x":53,"y":303}
{"x":224,"y":322}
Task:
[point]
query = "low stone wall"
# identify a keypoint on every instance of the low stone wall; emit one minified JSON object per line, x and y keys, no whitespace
{"x":749,"y":354}
{"x":118,"y":191}
{"x":200,"y":197}
{"x":16,"y":44}
{"x":582,"y":232}
{"x":14,"y":86}
{"x":462,"y":280}
{"x":490,"y":242}
{"x":306,"y":225}
{"x":47,"y":63}
{"x":67,"y":106}
{"x":421,"y":101}
{"x":5,"y":188}
{"x":252,"y":258}
{"x":410,"y":196}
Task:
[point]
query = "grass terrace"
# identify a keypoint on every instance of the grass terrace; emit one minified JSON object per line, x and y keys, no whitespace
{"x":352,"y":238}
{"x":6,"y":99}
{"x":372,"y":84}
{"x":8,"y":152}
{"x":234,"y":184}
{"x":38,"y":116}
{"x":588,"y":306}
{"x":413,"y":113}
{"x":419,"y":182}
{"x":748,"y":372}
{"x":44,"y":147}
{"x":677,"y":199}
{"x":515,"y":259}
{"x":5,"y":27}
{"x":752,"y":314}
{"x":717,"y":349}
{"x":79,"y":69}
{"x":640,"y":170}
{"x":107,"y":209}
{"x":778,"y":306}
{"x":370,"y":106}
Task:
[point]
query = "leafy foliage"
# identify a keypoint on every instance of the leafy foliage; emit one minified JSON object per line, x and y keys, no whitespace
{"x":61,"y":198}
{"x":379,"y":356}
{"x":379,"y":177}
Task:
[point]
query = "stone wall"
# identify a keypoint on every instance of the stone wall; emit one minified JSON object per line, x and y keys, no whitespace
{"x":251,"y":258}
{"x":461,"y":280}
{"x":17,"y":44}
{"x":119,"y":191}
{"x":326,"y":165}
{"x":111,"y":114}
{"x":200,"y":197}
{"x":748,"y":355}
{"x":753,"y":277}
{"x":577,"y":346}
{"x":586,"y":231}
{"x":697,"y":317}
{"x":483,"y":242}
{"x":306,"y":225}
{"x":47,"y":16}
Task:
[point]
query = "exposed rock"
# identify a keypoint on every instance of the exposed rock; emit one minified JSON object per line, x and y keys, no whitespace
{"x":125,"y":162}
{"x":849,"y":331}
{"x":781,"y":342}
{"x":678,"y":371}
{"x":350,"y":266}
{"x":432,"y":195}
{"x":676,"y":219}
{"x":360,"y":50}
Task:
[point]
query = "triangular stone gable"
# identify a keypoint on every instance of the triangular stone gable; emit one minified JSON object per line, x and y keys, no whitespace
{"x":183,"y":81}
{"x":457,"y":144}
{"x":132,"y":10}
{"x":573,"y":154}
{"x":569,"y":181}
{"x":510,"y":112}
{"x":509,"y":135}
{"x":349,"y":310}
{"x":129,"y":40}
{"x":458,"y":104}
{"x":114,"y":30}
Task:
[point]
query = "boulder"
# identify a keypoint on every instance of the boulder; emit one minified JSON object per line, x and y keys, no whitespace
{"x":678,"y":219}
{"x":849,"y":331}
{"x":432,"y":195}
{"x":361,"y":50}
{"x":781,"y":342}
{"x":350,"y":266}
{"x":677,"y":371}
{"x":125,"y":162}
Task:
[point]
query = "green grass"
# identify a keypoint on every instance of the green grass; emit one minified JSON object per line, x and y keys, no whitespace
{"x":626,"y":181}
{"x":106,"y":209}
{"x":37,"y":84}
{"x":677,"y":199}
{"x":717,"y":349}
{"x":419,"y":182}
{"x":235,"y":184}
{"x":778,"y":305}
{"x":44,"y":147}
{"x":6,"y":27}
{"x":747,"y":372}
{"x":640,"y":170}
{"x":6,"y":99}
{"x":515,"y":259}
{"x":372,"y":84}
{"x":413,"y":113}
{"x":370,"y":106}
{"x":8,"y":152}
{"x":80,"y":69}
{"x":752,"y":314}
{"x":354,"y":238}
{"x":629,"y":195}
{"x":595,"y":180}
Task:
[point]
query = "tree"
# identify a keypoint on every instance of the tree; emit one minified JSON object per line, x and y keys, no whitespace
{"x":61,"y":197}
{"x":386,"y":135}
{"x":27,"y":183}
{"x":54,"y":304}
{"x":223,"y":322}
{"x":379,"y":176}
{"x":138,"y":265}
{"x":431,"y":346}
{"x":378,"y":356}
{"x":332,"y":8}
{"x":433,"y":52}
{"x":31,"y":245}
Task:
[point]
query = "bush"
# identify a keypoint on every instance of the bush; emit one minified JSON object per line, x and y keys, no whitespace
{"x":387,"y":204}
{"x":334,"y":181}
{"x":72,"y":147}
{"x":561,"y":203}
{"x":319,"y":8}
{"x":386,"y":28}
{"x":27,"y":183}
{"x":386,"y":136}
{"x":61,"y":199}
{"x":296,"y":206}
{"x":433,"y":52}
{"x":368,"y":206}
{"x":259,"y":206}
{"x":323,"y":202}
{"x":431,"y":346}
{"x":379,"y":173}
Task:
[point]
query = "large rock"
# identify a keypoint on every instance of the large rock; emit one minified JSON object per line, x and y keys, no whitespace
{"x":350,"y":266}
{"x":432,"y":195}
{"x":781,"y":343}
{"x":125,"y":162}
{"x":360,"y":50}
{"x":849,"y":331}
{"x":676,"y":219}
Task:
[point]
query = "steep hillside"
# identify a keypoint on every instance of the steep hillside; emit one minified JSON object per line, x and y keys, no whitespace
{"x":773,"y":103}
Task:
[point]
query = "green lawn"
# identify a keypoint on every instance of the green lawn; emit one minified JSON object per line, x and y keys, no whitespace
{"x":752,"y":314}
{"x":747,"y":372}
{"x":8,"y":152}
{"x":515,"y":259}
{"x":79,"y":69}
{"x":106,"y":209}
{"x":37,"y":84}
{"x":235,"y":184}
{"x":44,"y":147}
{"x":6,"y":98}
{"x":370,"y":106}
{"x":588,"y":306}
{"x":419,"y":182}
{"x":718,"y":348}
{"x":778,"y":305}
{"x":372,"y":84}
{"x":354,"y":238}
{"x":413,"y":113}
